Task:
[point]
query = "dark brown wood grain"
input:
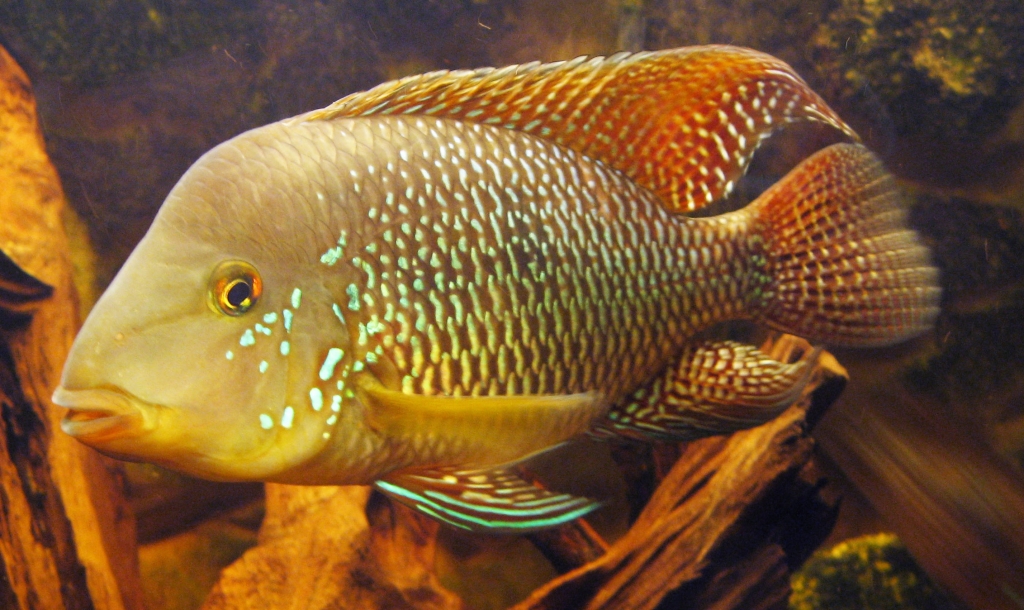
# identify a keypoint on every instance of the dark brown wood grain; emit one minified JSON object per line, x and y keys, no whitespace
{"x":66,"y":537}
{"x":569,"y":546}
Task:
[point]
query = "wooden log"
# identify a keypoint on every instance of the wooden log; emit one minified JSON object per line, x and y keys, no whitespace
{"x":569,"y":546}
{"x":66,"y":537}
{"x":724,"y":528}
{"x":331,"y":547}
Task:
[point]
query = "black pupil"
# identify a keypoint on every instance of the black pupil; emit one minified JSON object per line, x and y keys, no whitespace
{"x":239,"y":293}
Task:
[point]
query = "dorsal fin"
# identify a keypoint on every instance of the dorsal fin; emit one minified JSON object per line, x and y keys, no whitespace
{"x":683,"y":123}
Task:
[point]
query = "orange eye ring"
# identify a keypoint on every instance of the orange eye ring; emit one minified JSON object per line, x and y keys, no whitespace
{"x":235,"y":287}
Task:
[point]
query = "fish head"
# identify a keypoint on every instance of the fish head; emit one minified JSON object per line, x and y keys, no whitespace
{"x":197,"y":356}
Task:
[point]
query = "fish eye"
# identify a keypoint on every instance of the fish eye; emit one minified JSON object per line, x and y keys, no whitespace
{"x":235,"y":286}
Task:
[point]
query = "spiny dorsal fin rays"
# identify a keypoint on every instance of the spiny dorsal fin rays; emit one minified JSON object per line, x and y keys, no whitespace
{"x":683,"y":123}
{"x":468,"y":424}
{"x":493,"y":500}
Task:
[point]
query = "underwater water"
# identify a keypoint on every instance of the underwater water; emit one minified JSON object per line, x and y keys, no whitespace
{"x":925,"y":447}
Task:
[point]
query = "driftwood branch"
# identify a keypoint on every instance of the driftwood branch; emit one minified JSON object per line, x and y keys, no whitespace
{"x":335,"y":547}
{"x":570,"y":546}
{"x":66,"y":536}
{"x":724,"y":528}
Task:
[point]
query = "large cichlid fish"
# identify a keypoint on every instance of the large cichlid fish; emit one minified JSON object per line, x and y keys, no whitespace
{"x":425,"y":283}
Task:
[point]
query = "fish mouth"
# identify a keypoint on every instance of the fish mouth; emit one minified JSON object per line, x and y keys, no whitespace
{"x":98,"y":415}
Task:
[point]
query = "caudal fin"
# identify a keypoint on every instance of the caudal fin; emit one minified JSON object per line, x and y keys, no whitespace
{"x":841,"y":265}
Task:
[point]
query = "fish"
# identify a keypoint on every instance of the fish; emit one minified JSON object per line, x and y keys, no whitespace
{"x":398,"y":290}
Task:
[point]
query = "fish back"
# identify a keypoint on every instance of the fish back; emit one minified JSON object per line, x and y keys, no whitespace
{"x":683,"y":123}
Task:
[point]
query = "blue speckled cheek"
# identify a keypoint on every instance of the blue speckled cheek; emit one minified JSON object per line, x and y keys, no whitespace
{"x":261,"y":351}
{"x":317,"y":367}
{"x":330,"y":388}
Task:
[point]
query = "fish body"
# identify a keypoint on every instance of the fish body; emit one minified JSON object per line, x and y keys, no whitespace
{"x":421,"y":301}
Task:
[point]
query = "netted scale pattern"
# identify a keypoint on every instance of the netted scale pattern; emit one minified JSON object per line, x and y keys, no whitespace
{"x":513,"y":266}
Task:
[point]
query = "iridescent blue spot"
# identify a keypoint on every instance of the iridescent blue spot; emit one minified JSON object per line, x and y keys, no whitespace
{"x":247,"y":338}
{"x":331,"y":257}
{"x":296,"y":298}
{"x":353,"y":297}
{"x":316,"y":398}
{"x":285,"y":348}
{"x":270,"y":318}
{"x":266,"y":422}
{"x":334,"y":356}
{"x":287,"y":417}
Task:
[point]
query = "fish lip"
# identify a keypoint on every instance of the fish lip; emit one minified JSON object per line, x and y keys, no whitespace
{"x":102,"y":414}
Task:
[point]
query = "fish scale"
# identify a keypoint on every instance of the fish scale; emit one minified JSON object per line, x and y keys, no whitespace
{"x":590,"y":251}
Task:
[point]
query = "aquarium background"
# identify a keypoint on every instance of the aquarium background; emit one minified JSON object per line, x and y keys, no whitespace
{"x":928,"y":439}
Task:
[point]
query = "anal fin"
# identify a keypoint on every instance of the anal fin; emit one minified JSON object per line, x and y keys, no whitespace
{"x":718,"y":387}
{"x":491,"y":501}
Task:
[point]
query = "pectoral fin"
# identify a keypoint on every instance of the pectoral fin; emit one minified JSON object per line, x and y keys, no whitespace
{"x":480,"y":429}
{"x":489,"y":501}
{"x":717,"y":387}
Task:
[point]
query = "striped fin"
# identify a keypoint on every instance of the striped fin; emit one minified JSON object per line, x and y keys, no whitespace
{"x":683,"y":123}
{"x":718,"y":387}
{"x":495,"y":501}
{"x":840,"y":264}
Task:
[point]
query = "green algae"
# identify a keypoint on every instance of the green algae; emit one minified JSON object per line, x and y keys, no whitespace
{"x":875,"y":572}
{"x":947,"y":68}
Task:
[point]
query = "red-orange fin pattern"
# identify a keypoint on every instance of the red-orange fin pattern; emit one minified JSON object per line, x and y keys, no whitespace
{"x":840,"y":264}
{"x":683,"y":123}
